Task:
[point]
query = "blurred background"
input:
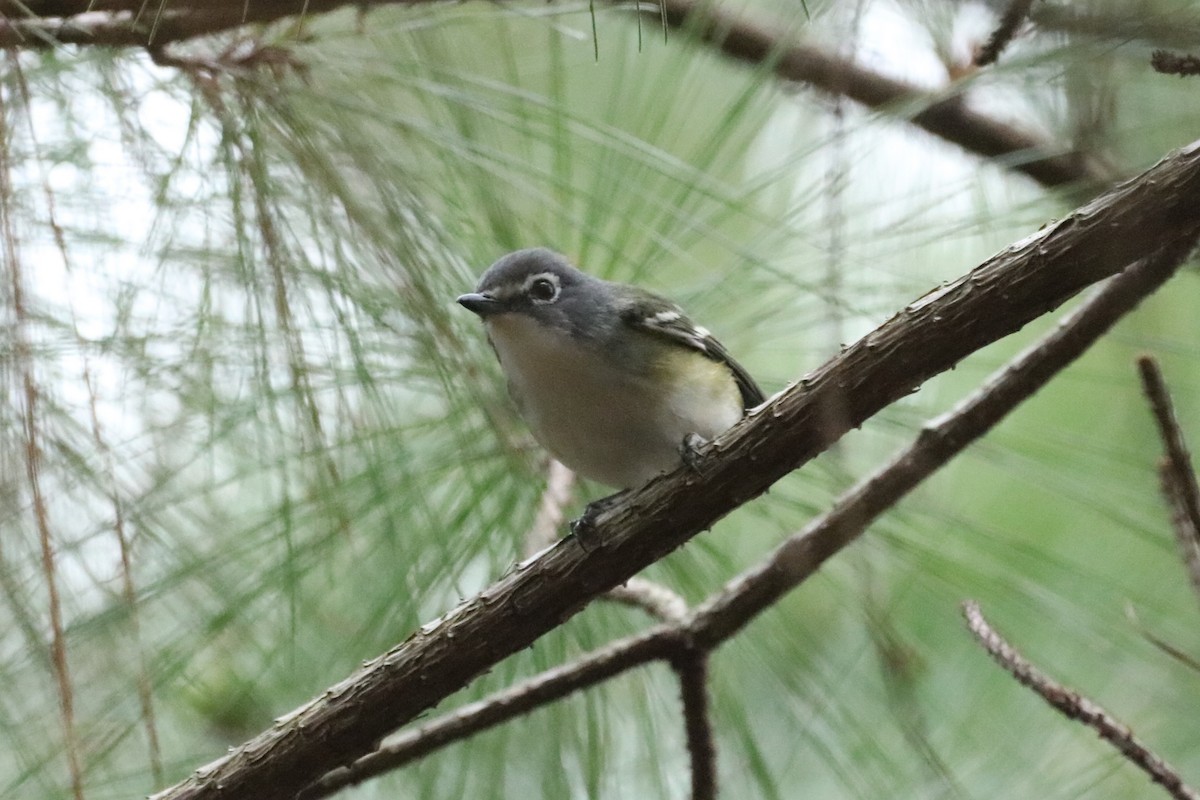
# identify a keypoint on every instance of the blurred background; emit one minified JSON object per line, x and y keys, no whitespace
{"x":247,"y":439}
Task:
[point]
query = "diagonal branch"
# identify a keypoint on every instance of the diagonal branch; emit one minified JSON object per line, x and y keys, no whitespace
{"x":1010,"y":21}
{"x":656,"y":644}
{"x":1075,"y":706}
{"x":1163,"y":645}
{"x":1154,"y":212}
{"x":712,"y":624}
{"x":1178,"y":477}
{"x":1182,"y":498}
{"x":659,"y":601}
{"x":552,"y":508}
{"x":946,"y":117}
{"x":801,"y":555}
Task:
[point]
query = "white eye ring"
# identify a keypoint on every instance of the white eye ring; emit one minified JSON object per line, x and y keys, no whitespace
{"x":542,"y":289}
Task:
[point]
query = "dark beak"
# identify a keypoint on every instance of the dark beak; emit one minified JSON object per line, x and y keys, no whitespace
{"x":482,"y":304}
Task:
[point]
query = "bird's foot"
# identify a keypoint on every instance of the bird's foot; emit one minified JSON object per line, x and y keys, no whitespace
{"x":689,"y":451}
{"x":583,"y":529}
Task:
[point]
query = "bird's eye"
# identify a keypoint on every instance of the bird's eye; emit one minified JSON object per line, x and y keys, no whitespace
{"x":543,"y":290}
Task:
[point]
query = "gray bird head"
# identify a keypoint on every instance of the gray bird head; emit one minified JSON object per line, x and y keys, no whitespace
{"x":542,"y":285}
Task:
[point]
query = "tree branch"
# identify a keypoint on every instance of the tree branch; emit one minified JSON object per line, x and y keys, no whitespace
{"x":134,"y":23}
{"x":692,"y":669}
{"x":801,"y":555}
{"x":660,"y":602}
{"x":1075,"y":706}
{"x":1168,"y":63}
{"x":655,"y":599}
{"x":1181,"y":497}
{"x":1139,"y":218}
{"x":1012,"y":18}
{"x":1189,"y":661}
{"x":711,"y":625}
{"x":128,"y":23}
{"x":551,"y":514}
{"x":659,"y":643}
{"x":1176,"y":473}
{"x":948,"y":118}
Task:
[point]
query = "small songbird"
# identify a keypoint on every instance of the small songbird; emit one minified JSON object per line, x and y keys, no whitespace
{"x":617,"y":383}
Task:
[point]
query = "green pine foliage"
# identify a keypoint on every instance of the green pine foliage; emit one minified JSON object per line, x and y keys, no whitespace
{"x":269,"y":445}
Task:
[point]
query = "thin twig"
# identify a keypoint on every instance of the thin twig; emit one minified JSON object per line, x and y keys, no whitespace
{"x":1181,"y":497}
{"x":1169,"y":63}
{"x":901,"y":669}
{"x":1012,"y":18}
{"x":128,"y":593}
{"x":551,"y":515}
{"x":659,"y":601}
{"x":31,"y":424}
{"x":145,"y":688}
{"x":1171,"y":650}
{"x":1177,"y":475}
{"x":1075,"y":706}
{"x":692,"y":669}
{"x":548,"y":525}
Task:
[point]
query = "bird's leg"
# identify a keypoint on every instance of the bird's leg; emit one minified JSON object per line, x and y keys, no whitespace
{"x":583,"y":528}
{"x":689,"y":451}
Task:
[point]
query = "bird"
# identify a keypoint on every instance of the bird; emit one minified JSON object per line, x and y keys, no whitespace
{"x":616,"y":382}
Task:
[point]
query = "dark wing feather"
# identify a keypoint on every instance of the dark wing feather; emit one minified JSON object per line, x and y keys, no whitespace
{"x":660,"y":317}
{"x":751,"y":395}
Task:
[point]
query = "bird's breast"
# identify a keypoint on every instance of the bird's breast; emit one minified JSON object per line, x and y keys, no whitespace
{"x":619,"y":425}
